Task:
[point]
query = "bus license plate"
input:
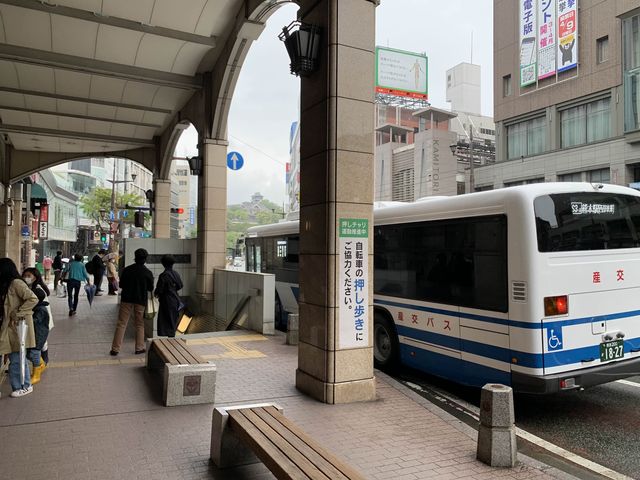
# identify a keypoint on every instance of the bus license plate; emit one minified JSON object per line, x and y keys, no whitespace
{"x":611,"y":350}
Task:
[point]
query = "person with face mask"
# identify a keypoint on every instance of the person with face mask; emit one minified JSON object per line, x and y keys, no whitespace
{"x":17,"y":301}
{"x":36,"y":355}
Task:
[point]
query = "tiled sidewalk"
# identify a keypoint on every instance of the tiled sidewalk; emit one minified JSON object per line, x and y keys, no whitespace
{"x":93,"y":417}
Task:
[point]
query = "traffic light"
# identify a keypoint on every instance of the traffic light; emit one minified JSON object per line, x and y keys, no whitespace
{"x":103,"y":237}
{"x":179,"y":211}
{"x":138,"y":219}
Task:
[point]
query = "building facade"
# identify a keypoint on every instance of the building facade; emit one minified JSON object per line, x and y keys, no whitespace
{"x":184,"y":197}
{"x":579,"y":124}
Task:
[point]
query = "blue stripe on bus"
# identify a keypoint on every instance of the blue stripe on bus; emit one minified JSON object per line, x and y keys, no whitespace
{"x":513,"y":323}
{"x":531,"y":360}
{"x":455,"y":369}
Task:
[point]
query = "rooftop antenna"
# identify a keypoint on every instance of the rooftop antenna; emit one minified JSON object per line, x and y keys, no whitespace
{"x":472,"y":47}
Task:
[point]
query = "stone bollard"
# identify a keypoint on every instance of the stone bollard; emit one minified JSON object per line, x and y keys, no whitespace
{"x":292,"y":329}
{"x":497,"y":433}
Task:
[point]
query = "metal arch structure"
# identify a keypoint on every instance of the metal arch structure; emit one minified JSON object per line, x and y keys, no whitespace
{"x":59,"y":102}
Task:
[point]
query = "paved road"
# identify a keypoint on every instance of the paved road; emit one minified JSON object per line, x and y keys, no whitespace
{"x":601,"y":424}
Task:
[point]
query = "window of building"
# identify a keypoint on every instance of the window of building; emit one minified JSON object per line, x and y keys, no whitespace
{"x":529,"y":181}
{"x":602,"y":175}
{"x":602,"y":49}
{"x":570,"y":177}
{"x":585,"y":123}
{"x":506,"y":85}
{"x":182,"y":183}
{"x":461,"y":188}
{"x":526,"y":138}
{"x":631,"y":69}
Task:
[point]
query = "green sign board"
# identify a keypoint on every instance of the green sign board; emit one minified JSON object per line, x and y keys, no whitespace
{"x":354,"y":227}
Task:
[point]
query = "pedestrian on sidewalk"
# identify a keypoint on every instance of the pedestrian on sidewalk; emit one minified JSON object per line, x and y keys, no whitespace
{"x":112,"y":274}
{"x":75,"y":272}
{"x":18,"y":302}
{"x":136,"y":283}
{"x":169,"y":283}
{"x":36,"y":355}
{"x":57,"y":269}
{"x":47,"y":263}
{"x":98,"y":269}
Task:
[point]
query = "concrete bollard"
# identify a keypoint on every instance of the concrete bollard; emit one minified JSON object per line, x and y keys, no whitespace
{"x":292,"y":329}
{"x":497,"y":433}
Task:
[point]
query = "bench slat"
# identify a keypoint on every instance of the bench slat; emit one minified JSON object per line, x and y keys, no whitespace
{"x":174,"y":350}
{"x":190,"y":354}
{"x":319,"y":462}
{"x":164,"y":352}
{"x":295,"y":455}
{"x":264,"y":449}
{"x":345,"y":469}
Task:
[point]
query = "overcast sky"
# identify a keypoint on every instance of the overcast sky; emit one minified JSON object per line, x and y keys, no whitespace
{"x":266,"y":102}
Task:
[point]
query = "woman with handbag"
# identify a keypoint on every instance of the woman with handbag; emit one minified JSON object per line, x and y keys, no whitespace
{"x":17,"y":301}
{"x":169,"y":283}
{"x":33,"y":278}
{"x":136,"y":283}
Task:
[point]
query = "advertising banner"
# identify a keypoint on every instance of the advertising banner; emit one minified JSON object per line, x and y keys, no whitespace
{"x":528,"y":29}
{"x":354,"y":283}
{"x":401,"y":73}
{"x":567,"y":34}
{"x":546,"y":38}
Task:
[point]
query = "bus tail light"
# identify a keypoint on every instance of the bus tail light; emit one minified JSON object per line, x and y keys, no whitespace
{"x":567,"y":383}
{"x":556,"y":306}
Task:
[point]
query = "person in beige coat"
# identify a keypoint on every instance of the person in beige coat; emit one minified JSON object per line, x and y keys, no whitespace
{"x":18,"y":301}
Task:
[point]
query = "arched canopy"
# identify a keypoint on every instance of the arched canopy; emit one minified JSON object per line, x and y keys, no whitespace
{"x":106,"y":77}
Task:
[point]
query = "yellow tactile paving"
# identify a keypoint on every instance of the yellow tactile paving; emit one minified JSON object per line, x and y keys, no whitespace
{"x":230,"y":343}
{"x":252,"y":337}
{"x":94,"y":363}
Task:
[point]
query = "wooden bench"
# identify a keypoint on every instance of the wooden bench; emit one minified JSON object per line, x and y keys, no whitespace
{"x":240,"y":434}
{"x":188,"y":378}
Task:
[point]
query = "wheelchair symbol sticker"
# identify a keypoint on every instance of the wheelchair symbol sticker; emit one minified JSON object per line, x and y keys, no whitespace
{"x":554,"y":339}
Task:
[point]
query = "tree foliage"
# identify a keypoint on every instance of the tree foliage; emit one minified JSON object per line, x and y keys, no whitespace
{"x":100,"y":199}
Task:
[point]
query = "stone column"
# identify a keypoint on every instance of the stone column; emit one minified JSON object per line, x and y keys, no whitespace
{"x":212,"y":218}
{"x":337,"y":178}
{"x":162,"y":208}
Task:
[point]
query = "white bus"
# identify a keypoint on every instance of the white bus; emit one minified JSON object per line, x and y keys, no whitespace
{"x":536,"y":286}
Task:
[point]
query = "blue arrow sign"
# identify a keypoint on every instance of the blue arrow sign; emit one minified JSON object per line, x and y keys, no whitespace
{"x":234,"y":161}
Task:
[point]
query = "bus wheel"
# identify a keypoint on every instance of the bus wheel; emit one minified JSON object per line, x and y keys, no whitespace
{"x":385,"y":343}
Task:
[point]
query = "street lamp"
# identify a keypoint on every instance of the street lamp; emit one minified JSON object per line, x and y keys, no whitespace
{"x":302,"y":41}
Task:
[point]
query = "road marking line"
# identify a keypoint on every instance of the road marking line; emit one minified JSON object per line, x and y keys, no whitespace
{"x":474,"y":412}
{"x":627,"y":382}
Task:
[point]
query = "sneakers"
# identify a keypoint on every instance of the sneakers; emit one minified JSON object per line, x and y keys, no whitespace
{"x":113,"y":353}
{"x":22,"y":392}
{"x":140,"y":352}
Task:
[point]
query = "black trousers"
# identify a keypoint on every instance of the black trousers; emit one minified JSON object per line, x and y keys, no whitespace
{"x":73,"y":290}
{"x":97,"y":279}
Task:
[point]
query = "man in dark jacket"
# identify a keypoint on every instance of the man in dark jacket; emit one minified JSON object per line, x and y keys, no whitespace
{"x":98,"y":269}
{"x":136,"y":282}
{"x":57,"y":268}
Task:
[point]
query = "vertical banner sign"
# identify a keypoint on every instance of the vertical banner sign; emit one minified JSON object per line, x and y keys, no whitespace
{"x":546,"y":38}
{"x":43,"y":228}
{"x":354,"y":283}
{"x":528,"y":27}
{"x":567,"y":34}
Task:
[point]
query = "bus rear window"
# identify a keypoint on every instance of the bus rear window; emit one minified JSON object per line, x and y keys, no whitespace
{"x":577,"y":221}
